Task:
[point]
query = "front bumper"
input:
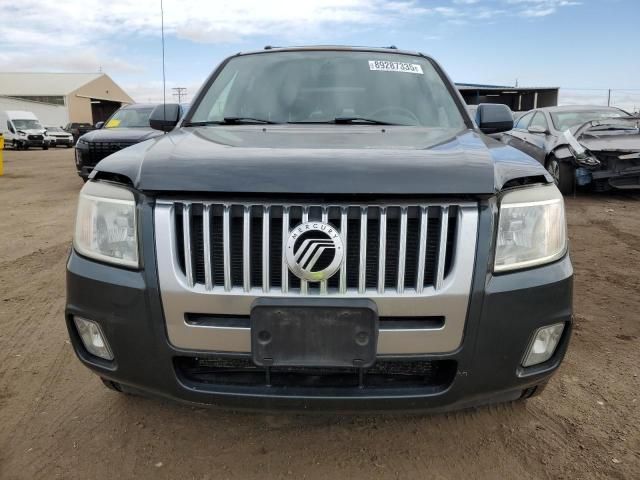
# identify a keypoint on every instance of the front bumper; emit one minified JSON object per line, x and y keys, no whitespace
{"x":31,"y":143}
{"x":503,"y":313}
{"x":61,"y":141}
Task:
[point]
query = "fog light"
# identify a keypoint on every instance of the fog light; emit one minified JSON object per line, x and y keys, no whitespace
{"x":543,"y":344}
{"x":93,"y":338}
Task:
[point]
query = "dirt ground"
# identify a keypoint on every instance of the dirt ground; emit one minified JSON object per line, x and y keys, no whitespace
{"x":58,"y":421}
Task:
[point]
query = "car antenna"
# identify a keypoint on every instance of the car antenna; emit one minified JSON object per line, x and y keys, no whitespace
{"x":164,"y":82}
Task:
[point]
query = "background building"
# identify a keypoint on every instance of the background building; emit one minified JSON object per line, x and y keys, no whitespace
{"x":519,"y":99}
{"x":59,"y":98}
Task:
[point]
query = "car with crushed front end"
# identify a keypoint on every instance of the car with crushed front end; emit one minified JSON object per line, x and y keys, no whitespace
{"x":326,"y":229}
{"x":582,"y":146}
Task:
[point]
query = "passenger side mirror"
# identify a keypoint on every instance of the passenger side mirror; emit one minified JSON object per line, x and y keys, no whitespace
{"x":494,"y":118}
{"x":165,"y":117}
{"x":537,"y":129}
{"x":99,"y":125}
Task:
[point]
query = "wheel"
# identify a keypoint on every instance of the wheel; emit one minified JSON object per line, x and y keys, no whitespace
{"x":45,"y":147}
{"x":563,"y":174}
{"x":69,"y":145}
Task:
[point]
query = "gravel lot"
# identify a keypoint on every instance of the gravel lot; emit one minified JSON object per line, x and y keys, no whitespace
{"x":58,"y":421}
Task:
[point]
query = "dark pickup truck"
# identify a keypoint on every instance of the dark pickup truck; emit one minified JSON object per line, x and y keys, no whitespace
{"x":325,"y":229}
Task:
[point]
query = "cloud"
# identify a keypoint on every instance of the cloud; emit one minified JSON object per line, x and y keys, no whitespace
{"x":87,"y":60}
{"x":37,"y":21}
{"x":540,"y":8}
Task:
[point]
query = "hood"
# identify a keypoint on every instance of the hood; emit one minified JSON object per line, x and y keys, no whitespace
{"x":132,"y":135}
{"x":326,"y":159}
{"x":32,"y":131}
{"x":594,"y":136}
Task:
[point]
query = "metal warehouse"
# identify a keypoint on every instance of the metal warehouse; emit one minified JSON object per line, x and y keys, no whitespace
{"x":59,"y":98}
{"x":519,"y":99}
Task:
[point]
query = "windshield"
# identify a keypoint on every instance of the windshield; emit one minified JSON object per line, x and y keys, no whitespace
{"x":26,"y":124}
{"x":54,"y":129}
{"x":130,"y":118}
{"x":566,"y":120}
{"x":329,"y":87}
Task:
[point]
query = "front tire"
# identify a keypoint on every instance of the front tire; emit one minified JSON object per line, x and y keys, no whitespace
{"x":563,"y":174}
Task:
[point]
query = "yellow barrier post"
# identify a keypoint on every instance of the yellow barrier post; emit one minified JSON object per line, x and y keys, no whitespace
{"x":1,"y":149}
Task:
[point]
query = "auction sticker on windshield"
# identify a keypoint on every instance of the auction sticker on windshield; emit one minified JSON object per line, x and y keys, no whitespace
{"x":386,"y":66}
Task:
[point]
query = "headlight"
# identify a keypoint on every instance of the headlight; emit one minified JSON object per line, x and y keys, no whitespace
{"x":532,"y":228}
{"x":106,"y":224}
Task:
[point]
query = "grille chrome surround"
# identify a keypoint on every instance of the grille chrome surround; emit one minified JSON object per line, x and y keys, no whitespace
{"x":404,"y":276}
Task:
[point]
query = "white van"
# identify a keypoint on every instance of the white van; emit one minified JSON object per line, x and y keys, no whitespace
{"x":22,"y":130}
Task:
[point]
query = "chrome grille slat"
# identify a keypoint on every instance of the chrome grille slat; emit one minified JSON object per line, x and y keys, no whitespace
{"x":186,"y":233}
{"x":362,"y":269}
{"x":206,"y":233}
{"x":266,"y":282}
{"x":390,"y":249}
{"x":402,"y":255}
{"x":382,"y":249}
{"x":444,"y":226}
{"x":246,"y":248}
{"x":304,"y":285}
{"x":344,"y":226}
{"x":422,"y":249}
{"x":284,"y":271}
{"x":325,"y":219}
{"x":226,"y":245}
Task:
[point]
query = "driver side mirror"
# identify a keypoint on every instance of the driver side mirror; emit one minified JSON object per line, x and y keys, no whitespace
{"x":494,"y":118}
{"x":99,"y":125}
{"x":537,"y":129}
{"x":165,"y":117}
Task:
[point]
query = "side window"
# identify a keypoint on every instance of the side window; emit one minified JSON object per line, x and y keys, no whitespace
{"x":539,"y":121}
{"x":523,"y":123}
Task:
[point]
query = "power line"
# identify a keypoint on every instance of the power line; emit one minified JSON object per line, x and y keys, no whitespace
{"x":180,"y":92}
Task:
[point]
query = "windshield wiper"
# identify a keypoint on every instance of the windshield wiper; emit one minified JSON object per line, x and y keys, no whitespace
{"x":229,"y":121}
{"x":346,"y":120}
{"x":361,"y":119}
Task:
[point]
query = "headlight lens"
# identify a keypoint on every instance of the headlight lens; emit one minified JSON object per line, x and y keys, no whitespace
{"x":531,"y":229}
{"x":106,"y":226}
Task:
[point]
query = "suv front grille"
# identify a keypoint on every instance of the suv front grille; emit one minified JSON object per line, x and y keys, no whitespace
{"x":390,"y":248}
{"x":99,"y":150}
{"x":435,"y":374}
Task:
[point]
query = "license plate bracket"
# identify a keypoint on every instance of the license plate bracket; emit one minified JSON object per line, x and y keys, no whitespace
{"x":314,"y":332}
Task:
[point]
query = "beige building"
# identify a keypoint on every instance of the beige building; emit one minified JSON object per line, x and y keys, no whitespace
{"x":60,"y":98}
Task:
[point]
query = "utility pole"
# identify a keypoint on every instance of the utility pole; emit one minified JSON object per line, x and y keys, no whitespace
{"x":609,"y":99}
{"x":180,"y":92}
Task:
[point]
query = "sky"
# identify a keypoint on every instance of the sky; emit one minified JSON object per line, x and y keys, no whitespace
{"x":583,"y":46}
